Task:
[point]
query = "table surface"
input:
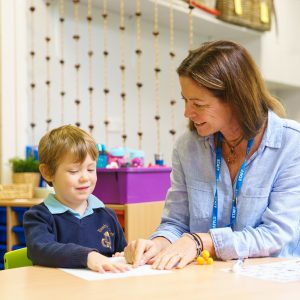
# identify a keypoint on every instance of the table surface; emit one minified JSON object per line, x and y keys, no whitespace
{"x":192,"y":282}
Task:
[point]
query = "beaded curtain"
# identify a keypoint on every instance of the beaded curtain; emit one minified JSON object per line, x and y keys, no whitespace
{"x":95,"y":65}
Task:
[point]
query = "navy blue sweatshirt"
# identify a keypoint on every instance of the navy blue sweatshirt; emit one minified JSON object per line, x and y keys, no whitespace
{"x":64,"y":241}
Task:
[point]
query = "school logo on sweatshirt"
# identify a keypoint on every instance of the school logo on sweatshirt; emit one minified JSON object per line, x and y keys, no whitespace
{"x":107,"y":236}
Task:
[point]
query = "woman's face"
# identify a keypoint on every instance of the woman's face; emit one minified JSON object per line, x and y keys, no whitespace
{"x":207,"y":112}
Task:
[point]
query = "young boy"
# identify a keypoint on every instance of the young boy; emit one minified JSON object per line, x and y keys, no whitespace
{"x":72,"y":228}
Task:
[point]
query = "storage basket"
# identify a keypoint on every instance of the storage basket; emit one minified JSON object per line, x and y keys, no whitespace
{"x":255,"y":14}
{"x":14,"y":191}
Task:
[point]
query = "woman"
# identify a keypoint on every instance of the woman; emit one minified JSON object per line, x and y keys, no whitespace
{"x":235,"y":174}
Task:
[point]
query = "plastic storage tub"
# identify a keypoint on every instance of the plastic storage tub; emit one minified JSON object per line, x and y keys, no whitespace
{"x":132,"y":185}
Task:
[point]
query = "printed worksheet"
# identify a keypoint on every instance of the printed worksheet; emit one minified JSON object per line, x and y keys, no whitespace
{"x":139,"y":271}
{"x":286,"y":271}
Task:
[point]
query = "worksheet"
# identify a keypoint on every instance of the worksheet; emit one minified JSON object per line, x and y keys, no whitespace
{"x":139,"y":271}
{"x":285,"y":271}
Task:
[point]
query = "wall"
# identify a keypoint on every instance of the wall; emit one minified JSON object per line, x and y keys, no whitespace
{"x":277,"y":55}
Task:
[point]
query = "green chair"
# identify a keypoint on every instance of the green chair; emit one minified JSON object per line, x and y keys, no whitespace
{"x":16,"y":259}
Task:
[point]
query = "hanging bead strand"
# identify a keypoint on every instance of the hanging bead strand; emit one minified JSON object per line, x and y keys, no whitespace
{"x":48,"y":59}
{"x":90,"y":65}
{"x":62,"y":60}
{"x":32,"y":9}
{"x":105,"y":69}
{"x":157,"y":71}
{"x":172,"y":72}
{"x":139,"y":83}
{"x":123,"y":67}
{"x":76,"y":38}
{"x":191,"y":27}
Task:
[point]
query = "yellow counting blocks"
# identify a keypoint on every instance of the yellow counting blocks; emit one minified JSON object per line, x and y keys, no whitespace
{"x":204,"y":258}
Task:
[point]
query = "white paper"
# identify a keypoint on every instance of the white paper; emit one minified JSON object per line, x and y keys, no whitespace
{"x":139,"y":271}
{"x":286,"y":271}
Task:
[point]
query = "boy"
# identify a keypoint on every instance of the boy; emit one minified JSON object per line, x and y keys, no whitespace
{"x":72,"y":228}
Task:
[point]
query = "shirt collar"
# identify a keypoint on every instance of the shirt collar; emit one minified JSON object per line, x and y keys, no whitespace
{"x":272,"y":136}
{"x":56,"y":207}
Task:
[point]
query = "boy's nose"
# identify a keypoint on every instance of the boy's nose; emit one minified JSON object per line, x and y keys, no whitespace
{"x":83,"y":178}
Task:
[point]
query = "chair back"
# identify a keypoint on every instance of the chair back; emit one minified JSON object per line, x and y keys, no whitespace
{"x":16,"y":259}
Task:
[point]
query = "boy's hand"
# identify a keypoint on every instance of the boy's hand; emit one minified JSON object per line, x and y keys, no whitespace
{"x":100,"y":263}
{"x":118,"y":254}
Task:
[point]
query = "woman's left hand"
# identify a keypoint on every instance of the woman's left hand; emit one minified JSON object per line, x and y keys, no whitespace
{"x":178,"y":255}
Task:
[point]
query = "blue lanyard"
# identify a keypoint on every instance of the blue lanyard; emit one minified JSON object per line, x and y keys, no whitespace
{"x":238,"y":185}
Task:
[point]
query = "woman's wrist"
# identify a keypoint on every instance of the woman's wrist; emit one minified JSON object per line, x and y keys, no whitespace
{"x":161,"y":242}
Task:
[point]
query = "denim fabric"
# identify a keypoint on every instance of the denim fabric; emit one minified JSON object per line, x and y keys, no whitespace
{"x":268,"y":208}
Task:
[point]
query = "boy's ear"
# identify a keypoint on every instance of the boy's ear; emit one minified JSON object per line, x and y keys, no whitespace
{"x":45,"y":172}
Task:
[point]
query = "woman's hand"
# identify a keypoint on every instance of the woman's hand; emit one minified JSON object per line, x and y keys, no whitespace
{"x":141,"y":251}
{"x":178,"y":255}
{"x":100,"y":263}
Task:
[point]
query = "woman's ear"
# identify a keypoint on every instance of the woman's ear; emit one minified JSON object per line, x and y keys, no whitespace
{"x":45,"y":172}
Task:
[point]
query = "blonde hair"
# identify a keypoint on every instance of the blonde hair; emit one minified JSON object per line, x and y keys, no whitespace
{"x":65,"y":140}
{"x":228,"y":71}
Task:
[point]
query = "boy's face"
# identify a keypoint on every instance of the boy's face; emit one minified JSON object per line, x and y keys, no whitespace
{"x":74,"y":182}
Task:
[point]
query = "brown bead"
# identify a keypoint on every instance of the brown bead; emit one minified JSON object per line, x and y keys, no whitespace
{"x":32,"y":8}
{"x":77,"y":101}
{"x":140,"y":133}
{"x":172,"y":102}
{"x":90,"y":89}
{"x":191,"y":7}
{"x":48,"y":39}
{"x":172,"y":131}
{"x":138,"y":51}
{"x":77,"y":66}
{"x":105,"y":52}
{"x":32,"y":53}
{"x":89,"y":18}
{"x":77,"y":124}
{"x":155,"y":33}
{"x":32,"y":85}
{"x":138,"y":13}
{"x":91,"y":126}
{"x":124,"y":136}
{"x":62,"y":93}
{"x":122,"y":67}
{"x":48,"y":3}
{"x":76,"y":1}
{"x":157,"y":70}
{"x":61,"y":20}
{"x":106,"y":122}
{"x":123,"y":95}
{"x":47,"y":58}
{"x":157,"y":117}
{"x":76,"y":36}
{"x":47,"y":82}
{"x":32,"y":125}
{"x":90,"y":53}
{"x":104,"y":16}
{"x":106,"y":91}
{"x":48,"y":121}
{"x":139,"y":84}
{"x":61,"y":61}
{"x":172,"y":54}
{"x":122,"y":28}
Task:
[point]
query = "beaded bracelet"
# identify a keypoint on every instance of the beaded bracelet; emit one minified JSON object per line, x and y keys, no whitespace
{"x":198,"y":242}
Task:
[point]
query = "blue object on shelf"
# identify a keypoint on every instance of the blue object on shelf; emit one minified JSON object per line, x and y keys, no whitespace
{"x":19,"y":231}
{"x":16,"y":247}
{"x":2,"y":252}
{"x":20,"y":213}
{"x":2,"y":215}
{"x":2,"y":234}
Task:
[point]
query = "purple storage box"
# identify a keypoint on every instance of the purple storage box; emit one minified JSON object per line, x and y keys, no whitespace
{"x":132,"y":185}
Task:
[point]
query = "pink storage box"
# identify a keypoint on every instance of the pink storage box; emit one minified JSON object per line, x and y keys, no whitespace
{"x":132,"y":185}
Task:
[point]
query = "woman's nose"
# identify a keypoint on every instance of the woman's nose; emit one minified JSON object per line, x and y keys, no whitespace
{"x":188,"y":111}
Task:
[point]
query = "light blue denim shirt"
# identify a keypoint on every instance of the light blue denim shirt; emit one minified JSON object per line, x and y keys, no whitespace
{"x":56,"y":207}
{"x":268,"y":208}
